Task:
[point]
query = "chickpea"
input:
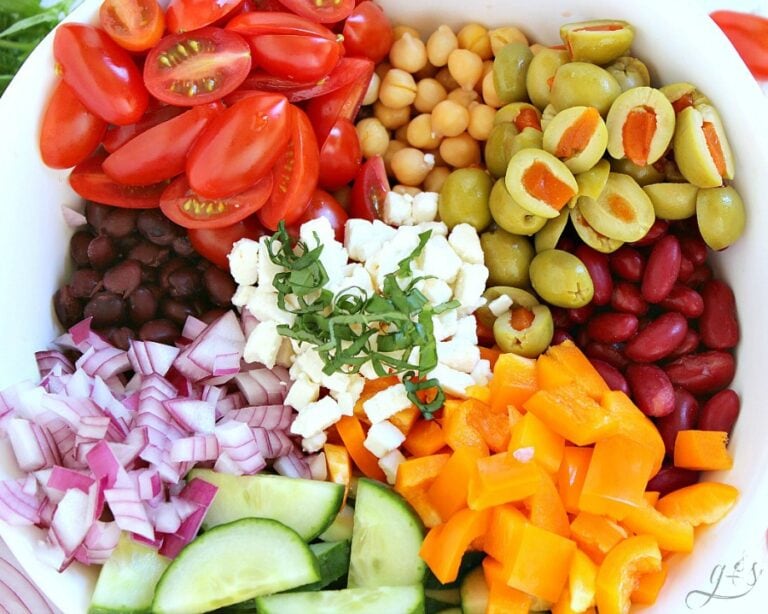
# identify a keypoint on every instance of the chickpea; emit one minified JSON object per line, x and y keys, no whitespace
{"x":392,"y":119}
{"x":372,"y":93}
{"x":373,"y":137}
{"x":393,"y":147}
{"x":401,"y":134}
{"x":398,"y":89}
{"x":428,"y":93}
{"x":536,"y":47}
{"x":449,"y":118}
{"x":490,"y":95}
{"x":466,"y":67}
{"x":463,"y":97}
{"x":480,"y":121}
{"x":487,"y":67}
{"x":444,"y":78}
{"x":406,"y":189}
{"x":501,"y":37}
{"x":400,"y":30}
{"x":460,"y":151}
{"x":440,"y":44}
{"x":474,"y":37}
{"x":435,"y":179}
{"x":421,"y":134}
{"x":408,"y":53}
{"x":410,"y":166}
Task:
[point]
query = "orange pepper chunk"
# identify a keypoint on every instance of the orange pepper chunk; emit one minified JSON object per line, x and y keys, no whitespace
{"x":573,"y":363}
{"x":596,"y":535}
{"x":571,"y":476}
{"x":445,"y":544}
{"x":503,"y":599}
{"x":702,"y":450}
{"x":617,"y":477}
{"x":501,"y":478}
{"x":339,"y":466}
{"x":503,"y":530}
{"x":637,"y":134}
{"x":352,"y":435}
{"x":651,"y":497}
{"x":541,"y":183}
{"x":649,"y":586}
{"x":480,"y":393}
{"x":405,"y":419}
{"x":424,"y":438}
{"x":702,"y":503}
{"x":563,"y":605}
{"x":448,"y":492}
{"x":576,"y":137}
{"x":619,"y":574}
{"x":458,"y":431}
{"x":514,"y":381}
{"x":493,"y":426}
{"x":714,"y":147}
{"x":671,"y":535}
{"x":414,"y":477}
{"x":372,"y":386}
{"x":582,"y":580}
{"x":548,"y":446}
{"x":546,"y":509}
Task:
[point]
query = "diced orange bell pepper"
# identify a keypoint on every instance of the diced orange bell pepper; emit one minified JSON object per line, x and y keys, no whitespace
{"x":414,"y":477}
{"x":503,"y":599}
{"x":596,"y":535}
{"x":490,"y":354}
{"x":501,"y":478}
{"x":424,"y":438}
{"x":571,"y":413}
{"x":651,"y":497}
{"x":570,"y":361}
{"x":445,"y":544}
{"x":405,"y":419}
{"x":506,"y":524}
{"x":457,"y":428}
{"x":514,"y":381}
{"x":702,"y":450}
{"x":547,"y":445}
{"x":582,"y":581}
{"x":702,"y":503}
{"x":480,"y":393}
{"x":571,"y":475}
{"x":649,"y":586}
{"x":563,"y":605}
{"x":546,"y":509}
{"x":617,"y":477}
{"x":339,"y":466}
{"x":671,"y":535}
{"x":352,"y":434}
{"x":492,"y":426}
{"x":448,"y":492}
{"x":619,"y":573}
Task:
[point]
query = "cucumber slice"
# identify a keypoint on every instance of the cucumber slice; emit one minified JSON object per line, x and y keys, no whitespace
{"x":386,"y":539}
{"x":333,"y":559}
{"x":127,"y":580}
{"x":474,"y":592}
{"x":306,"y":506}
{"x":381,"y":600}
{"x":232,"y":563}
{"x":341,"y":527}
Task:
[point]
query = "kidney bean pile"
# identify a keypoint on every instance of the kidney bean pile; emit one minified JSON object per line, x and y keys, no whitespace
{"x":661,"y":329}
{"x":137,"y":276}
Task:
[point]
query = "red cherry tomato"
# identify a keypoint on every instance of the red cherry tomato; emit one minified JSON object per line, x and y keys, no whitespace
{"x":324,"y":205}
{"x":186,"y":15}
{"x":340,"y":156}
{"x":300,"y":58}
{"x":197,"y":67}
{"x":117,"y":136}
{"x":101,"y":73}
{"x":135,"y":25}
{"x":295,"y":176}
{"x":240,"y":146}
{"x":256,"y":24}
{"x":70,"y":132}
{"x":368,"y":33}
{"x":91,"y":182}
{"x":321,"y":11}
{"x":749,"y":35}
{"x":369,"y":190}
{"x":182,"y":205}
{"x":214,"y":244}
{"x":160,"y":152}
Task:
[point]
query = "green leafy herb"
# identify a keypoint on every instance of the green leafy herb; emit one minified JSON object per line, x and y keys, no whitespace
{"x":393,"y":330}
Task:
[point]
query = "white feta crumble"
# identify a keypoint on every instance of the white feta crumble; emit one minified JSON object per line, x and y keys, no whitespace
{"x":424,"y":207}
{"x":397,"y":209}
{"x":363,"y":239}
{"x":316,"y":417}
{"x":482,"y":373}
{"x":263,"y":305}
{"x":244,"y":261}
{"x":302,"y":393}
{"x":466,"y":329}
{"x":242,"y":295}
{"x":458,"y":354}
{"x":466,"y":243}
{"x":436,"y":290}
{"x":389,"y":464}
{"x":383,"y":437}
{"x":266,"y":269}
{"x":439,"y":260}
{"x":452,"y":381}
{"x":309,"y":364}
{"x":500,"y":304}
{"x":263,"y":344}
{"x":469,"y":288}
{"x":444,"y":325}
{"x":386,"y":403}
{"x":314,"y":443}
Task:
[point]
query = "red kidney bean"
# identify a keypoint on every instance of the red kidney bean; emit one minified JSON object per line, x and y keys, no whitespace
{"x":106,"y":309}
{"x":702,"y":373}
{"x":683,"y":418}
{"x":561,"y":335}
{"x":123,"y":278}
{"x":184,"y":282}
{"x":686,"y":270}
{"x":651,"y":389}
{"x":626,"y":298}
{"x":688,"y":345}
{"x":628,"y":263}
{"x":78,"y":247}
{"x":684,"y":300}
{"x":611,"y":375}
{"x":658,"y":339}
{"x":655,"y":232}
{"x":68,"y":308}
{"x":671,"y":478}
{"x":142,"y":305}
{"x":213,"y":314}
{"x":177,"y":311}
{"x":720,"y":412}
{"x":560,"y":317}
{"x":581,"y":336}
{"x":566,"y":243}
{"x":610,"y":353}
{"x":118,"y":222}
{"x":701,"y":274}
{"x":718,"y":325}
{"x":183,"y":247}
{"x":661,"y":270}
{"x":694,"y":249}
{"x":599,"y":271}
{"x":612,"y":327}
{"x":581,"y":315}
{"x":102,"y":252}
{"x":85,"y":282}
{"x":149,"y":254}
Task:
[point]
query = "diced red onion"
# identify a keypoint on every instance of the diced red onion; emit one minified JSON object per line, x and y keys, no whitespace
{"x":156,"y":387}
{"x":318,"y":466}
{"x":192,"y":415}
{"x":105,"y":362}
{"x":249,"y":322}
{"x":74,"y":515}
{"x":72,"y":217}
{"x":292,"y":466}
{"x":64,"y":479}
{"x":129,"y":511}
{"x":165,"y":518}
{"x":16,"y":506}
{"x":193,"y":327}
{"x":17,"y":592}
{"x":93,"y":427}
{"x":267,"y":416}
{"x":195,"y":449}
{"x":106,"y":467}
{"x":147,"y":357}
{"x":199,"y":492}
{"x":234,"y":400}
{"x":48,"y":360}
{"x":100,"y":541}
{"x":262,"y":387}
{"x":33,"y":446}
{"x":223,"y":337}
{"x":272,"y":444}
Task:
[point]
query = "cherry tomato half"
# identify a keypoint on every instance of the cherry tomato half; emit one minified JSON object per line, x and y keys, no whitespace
{"x":324,"y":205}
{"x":117,"y":136}
{"x":369,"y":190}
{"x":256,"y":24}
{"x":368,"y":33}
{"x":214,"y":244}
{"x":70,"y":132}
{"x":240,"y":146}
{"x":160,"y":152}
{"x":135,"y":25}
{"x":101,"y":73}
{"x":186,"y":15}
{"x":197,"y":67}
{"x":340,"y":156}
{"x":321,"y":11}
{"x":182,"y":205}
{"x":91,"y":182}
{"x":300,"y":58}
{"x":749,"y":35}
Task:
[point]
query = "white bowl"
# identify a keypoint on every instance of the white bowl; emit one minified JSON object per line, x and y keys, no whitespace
{"x":678,"y":42}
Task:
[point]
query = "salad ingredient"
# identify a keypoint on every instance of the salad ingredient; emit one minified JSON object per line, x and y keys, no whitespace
{"x":748,"y":34}
{"x":406,"y":599}
{"x":367,"y":32}
{"x":578,"y":137}
{"x":703,"y":503}
{"x":539,"y":182}
{"x":326,"y":206}
{"x":702,"y":151}
{"x":510,"y":68}
{"x":340,"y":156}
{"x":369,"y":190}
{"x":215,"y":244}
{"x":617,"y":576}
{"x":600,"y":41}
{"x":508,"y":257}
{"x":464,"y":199}
{"x":623,"y":211}
{"x":561,"y":279}
{"x":186,"y":15}
{"x":578,"y":84}
{"x":702,"y":450}
{"x":672,"y":201}
{"x":136,"y":25}
{"x":509,"y":215}
{"x":264,"y":557}
{"x":324,"y":11}
{"x":720,"y":412}
{"x":523,"y":331}
{"x":661,"y":269}
{"x":720,"y":214}
{"x":474,"y":592}
{"x":629,"y":72}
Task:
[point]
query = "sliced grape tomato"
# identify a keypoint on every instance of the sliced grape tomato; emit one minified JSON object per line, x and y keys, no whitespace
{"x":321,"y":11}
{"x":186,"y":15}
{"x":322,"y":204}
{"x":369,"y":190}
{"x":90,"y":181}
{"x":117,"y":136}
{"x":256,"y":24}
{"x":340,"y":155}
{"x":300,"y":58}
{"x":135,"y":25}
{"x":214,"y":244}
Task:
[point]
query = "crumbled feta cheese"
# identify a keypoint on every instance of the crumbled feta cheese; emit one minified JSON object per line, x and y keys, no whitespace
{"x":436,"y":290}
{"x":389,"y":464}
{"x":263,"y":344}
{"x":263,"y":305}
{"x":466,"y":329}
{"x":482,"y":372}
{"x":439,"y":260}
{"x":397,"y":209}
{"x":444,"y":325}
{"x":386,"y":403}
{"x":452,"y":381}
{"x":363,"y":239}
{"x":316,"y":417}
{"x":469,"y":288}
{"x":302,"y":393}
{"x":309,"y":364}
{"x":466,"y":243}
{"x":387,"y":259}
{"x":244,"y":261}
{"x":242,"y":295}
{"x":314,"y":443}
{"x":317,"y":231}
{"x":383,"y":437}
{"x":500,"y":304}
{"x":424,"y":208}
{"x":438,"y":229}
{"x":266,"y":269}
{"x":367,"y":370}
{"x":458,"y":354}
{"x":285,"y":355}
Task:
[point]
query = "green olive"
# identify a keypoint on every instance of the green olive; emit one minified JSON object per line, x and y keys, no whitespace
{"x":629,"y":119}
{"x":507,"y":257}
{"x":721,"y":216}
{"x":590,"y":236}
{"x":561,"y":279}
{"x":580,"y":84}
{"x":578,"y":136}
{"x":510,"y":113}
{"x":629,"y":72}
{"x":498,"y":148}
{"x":622,"y":212}
{"x":683,"y":95}
{"x":509,"y":71}
{"x":525,"y":332}
{"x":549,"y":235}
{"x":517,"y":296}
{"x":540,"y":73}
{"x":642,"y":174}
{"x":672,"y":201}
{"x":701,"y":148}
{"x":511,"y":216}
{"x":600,"y":41}
{"x":592,"y":182}
{"x":539,"y":182}
{"x":464,"y":198}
